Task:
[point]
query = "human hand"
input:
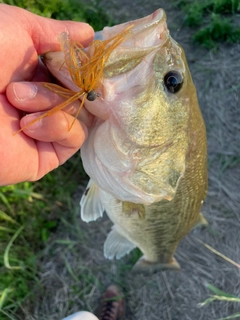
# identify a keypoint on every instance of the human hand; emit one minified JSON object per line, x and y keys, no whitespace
{"x":48,"y":143}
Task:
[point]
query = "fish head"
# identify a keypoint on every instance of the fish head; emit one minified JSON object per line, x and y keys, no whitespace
{"x":138,"y":152}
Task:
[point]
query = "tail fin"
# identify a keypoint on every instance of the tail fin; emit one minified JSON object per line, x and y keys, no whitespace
{"x":143,"y":265}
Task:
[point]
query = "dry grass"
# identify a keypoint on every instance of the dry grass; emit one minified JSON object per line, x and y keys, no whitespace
{"x":74,"y":273}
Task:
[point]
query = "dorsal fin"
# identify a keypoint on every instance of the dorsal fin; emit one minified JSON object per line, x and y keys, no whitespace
{"x":91,"y":204}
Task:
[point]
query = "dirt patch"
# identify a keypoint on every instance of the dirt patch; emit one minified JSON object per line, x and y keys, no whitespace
{"x":75,"y":273}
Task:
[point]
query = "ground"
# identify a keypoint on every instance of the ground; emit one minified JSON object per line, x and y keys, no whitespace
{"x":74,"y":272}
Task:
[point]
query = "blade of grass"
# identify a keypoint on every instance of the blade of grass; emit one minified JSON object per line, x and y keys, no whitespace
{"x":3,"y":295}
{"x":234,"y":316}
{"x":6,"y":229}
{"x":69,"y":269}
{"x":66,"y":242}
{"x":28,"y":193}
{"x":6,"y":217}
{"x":219,"y":292}
{"x":6,"y":253}
{"x":219,"y":253}
{"x":213,"y":298}
{"x":7,"y":314}
{"x":5,"y":201}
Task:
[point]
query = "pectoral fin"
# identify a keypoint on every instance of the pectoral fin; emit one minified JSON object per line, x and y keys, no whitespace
{"x":143,"y":265}
{"x":91,"y":204}
{"x":117,"y":245}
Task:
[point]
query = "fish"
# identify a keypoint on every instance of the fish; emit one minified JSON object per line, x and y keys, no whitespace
{"x":146,"y":151}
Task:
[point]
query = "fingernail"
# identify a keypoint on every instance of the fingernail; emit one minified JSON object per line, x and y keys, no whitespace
{"x":24,"y":90}
{"x":31,"y":123}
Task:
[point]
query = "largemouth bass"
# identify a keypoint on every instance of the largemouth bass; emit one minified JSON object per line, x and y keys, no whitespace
{"x":146,"y":153}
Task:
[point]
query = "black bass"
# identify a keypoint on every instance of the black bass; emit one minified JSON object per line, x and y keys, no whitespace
{"x":146,"y":153}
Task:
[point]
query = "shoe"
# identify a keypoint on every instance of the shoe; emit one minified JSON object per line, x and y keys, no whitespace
{"x":112,"y":307}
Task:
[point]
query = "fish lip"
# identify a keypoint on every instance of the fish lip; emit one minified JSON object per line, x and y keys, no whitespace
{"x":157,"y":16}
{"x":139,"y":26}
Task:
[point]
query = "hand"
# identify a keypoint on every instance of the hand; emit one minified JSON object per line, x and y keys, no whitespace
{"x":48,"y":143}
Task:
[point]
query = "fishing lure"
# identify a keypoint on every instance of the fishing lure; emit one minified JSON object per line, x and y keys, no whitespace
{"x":86,"y":68}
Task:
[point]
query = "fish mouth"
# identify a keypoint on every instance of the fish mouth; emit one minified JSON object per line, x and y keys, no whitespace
{"x":144,"y":28}
{"x":141,"y":29}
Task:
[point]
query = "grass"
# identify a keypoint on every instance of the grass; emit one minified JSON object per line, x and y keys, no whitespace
{"x":75,"y":10}
{"x":29,"y":212}
{"x":220,"y":295}
{"x":212,"y":20}
{"x":228,"y":161}
{"x":218,"y":30}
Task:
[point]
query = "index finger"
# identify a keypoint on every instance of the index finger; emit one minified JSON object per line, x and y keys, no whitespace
{"x":32,"y":35}
{"x":33,"y":97}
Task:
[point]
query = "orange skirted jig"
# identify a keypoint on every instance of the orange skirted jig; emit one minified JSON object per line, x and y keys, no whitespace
{"x":86,"y":69}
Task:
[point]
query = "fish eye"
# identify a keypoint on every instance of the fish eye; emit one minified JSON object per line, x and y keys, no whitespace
{"x":173,"y":81}
{"x":92,"y":95}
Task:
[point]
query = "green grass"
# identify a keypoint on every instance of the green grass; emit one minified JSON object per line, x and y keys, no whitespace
{"x":29,"y":212}
{"x":212,"y":21}
{"x":219,"y":295}
{"x":75,"y":10}
{"x":228,"y":161}
{"x":218,"y":30}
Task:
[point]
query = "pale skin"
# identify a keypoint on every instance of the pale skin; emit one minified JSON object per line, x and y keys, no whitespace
{"x":48,"y":143}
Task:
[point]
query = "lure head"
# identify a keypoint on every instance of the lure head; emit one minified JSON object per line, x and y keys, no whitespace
{"x":92,"y":95}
